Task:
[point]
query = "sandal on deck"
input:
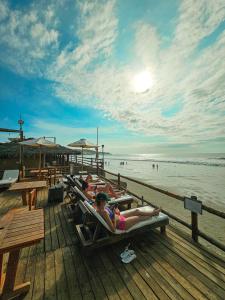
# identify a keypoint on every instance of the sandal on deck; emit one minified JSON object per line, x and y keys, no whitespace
{"x":129,"y":258}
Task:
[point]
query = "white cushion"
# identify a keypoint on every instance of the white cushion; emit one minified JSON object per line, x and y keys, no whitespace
{"x":120,"y":199}
{"x":7,"y":181}
{"x":149,"y":221}
{"x":11,"y":175}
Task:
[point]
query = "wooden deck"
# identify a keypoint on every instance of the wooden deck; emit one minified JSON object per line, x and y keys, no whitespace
{"x":167,"y":267}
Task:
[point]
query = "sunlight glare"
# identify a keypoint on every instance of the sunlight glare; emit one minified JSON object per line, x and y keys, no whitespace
{"x":142,"y":82}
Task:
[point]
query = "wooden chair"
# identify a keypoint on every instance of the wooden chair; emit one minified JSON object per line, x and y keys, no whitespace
{"x":32,"y":201}
{"x":93,"y":235}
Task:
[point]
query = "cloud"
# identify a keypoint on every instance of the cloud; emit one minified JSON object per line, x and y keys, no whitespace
{"x":182,"y":72}
{"x":27,"y":37}
{"x":86,"y":71}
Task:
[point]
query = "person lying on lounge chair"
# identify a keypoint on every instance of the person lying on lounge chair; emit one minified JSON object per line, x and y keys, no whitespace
{"x":90,"y":191}
{"x":117,"y":221}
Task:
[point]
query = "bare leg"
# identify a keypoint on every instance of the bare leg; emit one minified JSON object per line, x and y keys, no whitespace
{"x":130,"y":221}
{"x":109,"y":190}
{"x":138,"y":212}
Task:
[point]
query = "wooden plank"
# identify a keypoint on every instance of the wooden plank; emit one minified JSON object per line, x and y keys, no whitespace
{"x":50,"y":281}
{"x":68,"y":237}
{"x":178,"y":276}
{"x":115,"y":278}
{"x":48,"y":241}
{"x":155,"y":275}
{"x":21,"y":271}
{"x":201,"y":282}
{"x":105,"y":280}
{"x":16,"y":231}
{"x":197,"y":264}
{"x":204,"y":255}
{"x":71,"y":274}
{"x":81,"y":273}
{"x":59,"y":231}
{"x":38,"y":288}
{"x":61,"y":282}
{"x":20,"y":237}
{"x":96,"y":284}
{"x":69,"y":223}
{"x":126,"y":277}
{"x":27,"y":185}
{"x":30,"y":272}
{"x":194,"y":270}
{"x":164,"y":272}
{"x":141,"y":284}
{"x":31,"y":222}
{"x":204,"y":263}
{"x":21,"y":243}
{"x":54,"y":238}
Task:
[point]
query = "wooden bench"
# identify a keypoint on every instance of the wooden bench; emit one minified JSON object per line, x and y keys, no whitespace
{"x":19,"y":228}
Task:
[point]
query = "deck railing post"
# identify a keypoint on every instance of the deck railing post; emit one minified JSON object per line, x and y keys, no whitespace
{"x":194,"y":226}
{"x":142,"y":201}
{"x":118,"y":179}
{"x":97,"y":166}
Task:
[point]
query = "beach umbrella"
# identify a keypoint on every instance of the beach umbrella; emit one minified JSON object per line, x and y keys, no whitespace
{"x":82,"y":143}
{"x":39,"y":143}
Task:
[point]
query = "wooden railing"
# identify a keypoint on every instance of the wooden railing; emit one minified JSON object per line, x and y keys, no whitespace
{"x":88,"y":161}
{"x":194,"y":224}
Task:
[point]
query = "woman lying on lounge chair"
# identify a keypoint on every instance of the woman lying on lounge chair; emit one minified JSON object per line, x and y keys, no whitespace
{"x":90,"y":191}
{"x":117,"y":221}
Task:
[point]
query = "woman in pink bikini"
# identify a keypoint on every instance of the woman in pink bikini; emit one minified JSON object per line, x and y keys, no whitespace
{"x":117,"y":221}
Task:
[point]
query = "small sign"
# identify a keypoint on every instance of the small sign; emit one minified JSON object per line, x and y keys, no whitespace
{"x":193,"y":204}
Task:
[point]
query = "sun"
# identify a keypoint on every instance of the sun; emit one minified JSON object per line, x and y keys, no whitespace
{"x":142,"y":82}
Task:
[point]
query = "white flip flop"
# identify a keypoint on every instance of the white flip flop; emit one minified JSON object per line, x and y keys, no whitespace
{"x":129,"y":258}
{"x":126,"y":252}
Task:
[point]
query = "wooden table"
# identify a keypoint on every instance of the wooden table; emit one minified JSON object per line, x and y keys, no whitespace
{"x":25,"y":187}
{"x":19,"y":228}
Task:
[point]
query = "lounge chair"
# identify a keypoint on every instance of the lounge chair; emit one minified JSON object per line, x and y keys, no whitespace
{"x":124,"y":199}
{"x":9,"y":177}
{"x":96,"y":234}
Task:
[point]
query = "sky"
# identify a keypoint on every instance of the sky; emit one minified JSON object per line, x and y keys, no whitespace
{"x":149,"y":74}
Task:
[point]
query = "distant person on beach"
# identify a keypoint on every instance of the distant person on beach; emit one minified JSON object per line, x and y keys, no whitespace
{"x":113,"y":217}
{"x":157,"y":167}
{"x":153,"y":166}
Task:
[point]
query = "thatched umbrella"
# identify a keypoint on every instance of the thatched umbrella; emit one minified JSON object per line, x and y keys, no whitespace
{"x":82,"y":143}
{"x":39,"y":143}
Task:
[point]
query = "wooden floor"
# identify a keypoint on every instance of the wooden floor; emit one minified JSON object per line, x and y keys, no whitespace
{"x":167,"y":267}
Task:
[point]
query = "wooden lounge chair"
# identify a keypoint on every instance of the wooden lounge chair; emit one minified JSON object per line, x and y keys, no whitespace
{"x":9,"y":177}
{"x":95,"y":232}
{"x":124,"y":199}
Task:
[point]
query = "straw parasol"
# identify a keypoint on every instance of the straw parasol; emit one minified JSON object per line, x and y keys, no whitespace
{"x":82,"y":143}
{"x":39,"y":143}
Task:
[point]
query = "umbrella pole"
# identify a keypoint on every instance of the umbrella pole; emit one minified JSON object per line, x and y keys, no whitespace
{"x":82,"y":157}
{"x":40,"y":160}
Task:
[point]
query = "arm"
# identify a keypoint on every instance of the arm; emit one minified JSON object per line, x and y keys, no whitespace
{"x":111,"y":223}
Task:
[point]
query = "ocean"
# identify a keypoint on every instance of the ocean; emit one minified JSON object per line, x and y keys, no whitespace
{"x":202,"y":175}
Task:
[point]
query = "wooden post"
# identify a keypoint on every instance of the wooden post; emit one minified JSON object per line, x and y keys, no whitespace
{"x":142,"y":201}
{"x":194,"y":225}
{"x":119,"y":179}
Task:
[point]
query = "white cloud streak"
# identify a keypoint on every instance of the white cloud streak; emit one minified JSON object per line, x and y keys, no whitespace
{"x":27,"y":37}
{"x":89,"y":73}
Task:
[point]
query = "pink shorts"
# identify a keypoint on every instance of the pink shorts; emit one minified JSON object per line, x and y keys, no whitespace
{"x":121,"y":223}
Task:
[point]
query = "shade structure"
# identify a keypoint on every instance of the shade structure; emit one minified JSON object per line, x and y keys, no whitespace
{"x":39,"y":143}
{"x":82,"y":143}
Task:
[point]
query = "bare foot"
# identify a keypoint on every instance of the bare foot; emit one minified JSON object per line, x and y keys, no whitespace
{"x":156,"y":211}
